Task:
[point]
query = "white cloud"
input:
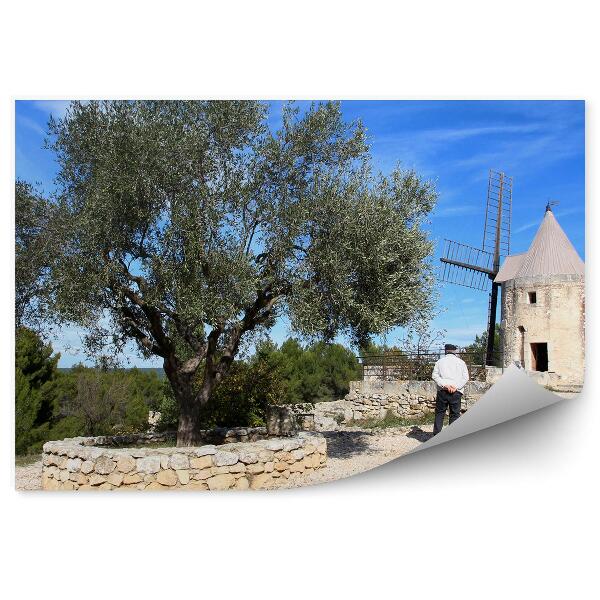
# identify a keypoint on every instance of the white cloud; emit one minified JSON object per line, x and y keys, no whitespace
{"x":558,"y":213}
{"x":457,"y":210}
{"x":56,"y":108}
{"x":30,"y":124}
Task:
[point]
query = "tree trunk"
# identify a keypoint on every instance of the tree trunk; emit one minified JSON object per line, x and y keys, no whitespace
{"x":188,"y":426}
{"x":191,"y":398}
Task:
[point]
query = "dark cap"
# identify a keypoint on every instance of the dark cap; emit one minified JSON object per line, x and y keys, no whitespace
{"x":450,"y":347}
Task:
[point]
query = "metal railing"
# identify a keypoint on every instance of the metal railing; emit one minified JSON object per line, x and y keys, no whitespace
{"x":418,"y":366}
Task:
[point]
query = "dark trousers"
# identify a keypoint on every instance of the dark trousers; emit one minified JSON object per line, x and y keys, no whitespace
{"x":443,"y":400}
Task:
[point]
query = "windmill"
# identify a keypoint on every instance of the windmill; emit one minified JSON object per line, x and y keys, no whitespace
{"x":477,"y":268}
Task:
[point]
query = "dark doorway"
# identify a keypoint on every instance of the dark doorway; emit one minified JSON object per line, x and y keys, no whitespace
{"x":539,"y":357}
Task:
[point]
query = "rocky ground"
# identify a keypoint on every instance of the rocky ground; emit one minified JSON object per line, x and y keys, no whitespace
{"x":29,"y":477}
{"x":355,"y":450}
{"x":351,"y":451}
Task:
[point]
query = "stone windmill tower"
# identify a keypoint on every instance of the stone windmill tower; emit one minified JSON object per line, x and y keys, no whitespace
{"x":543,"y":306}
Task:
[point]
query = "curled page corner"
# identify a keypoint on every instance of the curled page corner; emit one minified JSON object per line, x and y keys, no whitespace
{"x":512,"y":396}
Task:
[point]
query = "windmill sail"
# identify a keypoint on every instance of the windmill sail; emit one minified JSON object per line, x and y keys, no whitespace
{"x":466,"y":265}
{"x":477,"y":268}
{"x":498,"y":213}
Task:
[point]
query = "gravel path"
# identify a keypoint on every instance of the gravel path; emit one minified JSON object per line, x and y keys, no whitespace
{"x":29,"y":477}
{"x":349,"y":452}
{"x":356,"y":450}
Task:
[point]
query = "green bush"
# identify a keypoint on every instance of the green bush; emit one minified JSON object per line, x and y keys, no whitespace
{"x":53,"y":404}
{"x":35,"y":371}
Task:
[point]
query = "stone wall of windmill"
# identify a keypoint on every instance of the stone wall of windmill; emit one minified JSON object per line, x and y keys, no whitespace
{"x":546,"y":310}
{"x":543,"y":308}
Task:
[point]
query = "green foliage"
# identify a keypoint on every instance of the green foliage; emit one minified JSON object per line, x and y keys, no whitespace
{"x":193,"y":227}
{"x":95,"y":401}
{"x":32,"y":251}
{"x":479,"y":347}
{"x":33,"y":358}
{"x":35,"y":370}
{"x":317,"y":373}
{"x":290,"y":374}
{"x":27,"y":402}
{"x":115,"y":400}
{"x":244,"y":395}
{"x":52,"y":404}
{"x":169,"y":410}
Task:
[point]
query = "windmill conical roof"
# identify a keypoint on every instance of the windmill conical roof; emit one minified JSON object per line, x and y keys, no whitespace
{"x":550,"y":253}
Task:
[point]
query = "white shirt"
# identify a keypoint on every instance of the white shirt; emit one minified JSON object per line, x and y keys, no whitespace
{"x":450,"y":370}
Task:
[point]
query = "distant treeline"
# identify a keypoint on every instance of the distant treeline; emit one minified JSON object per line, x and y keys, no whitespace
{"x":53,"y":403}
{"x":158,"y":370}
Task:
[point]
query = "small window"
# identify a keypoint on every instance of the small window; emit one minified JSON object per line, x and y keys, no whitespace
{"x":532,"y":296}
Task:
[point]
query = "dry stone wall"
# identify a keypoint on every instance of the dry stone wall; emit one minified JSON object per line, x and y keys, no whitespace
{"x":96,"y":464}
{"x":374,"y":399}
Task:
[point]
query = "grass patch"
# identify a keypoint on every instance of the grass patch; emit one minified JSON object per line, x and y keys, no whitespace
{"x":392,"y":420}
{"x":24,"y":460}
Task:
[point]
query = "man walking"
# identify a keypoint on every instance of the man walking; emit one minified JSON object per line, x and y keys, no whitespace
{"x":450,"y":373}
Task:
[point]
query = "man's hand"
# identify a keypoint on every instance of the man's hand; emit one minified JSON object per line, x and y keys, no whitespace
{"x":450,"y":389}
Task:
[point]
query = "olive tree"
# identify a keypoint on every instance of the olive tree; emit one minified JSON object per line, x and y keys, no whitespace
{"x":32,"y":250}
{"x":190,"y":227}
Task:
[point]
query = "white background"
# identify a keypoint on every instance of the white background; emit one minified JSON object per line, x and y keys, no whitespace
{"x":507,"y":513}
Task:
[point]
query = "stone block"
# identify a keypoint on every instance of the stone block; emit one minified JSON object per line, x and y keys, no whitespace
{"x":223,"y":458}
{"x":132,"y":478}
{"x":284,"y":456}
{"x":274,"y":445}
{"x":115,"y":478}
{"x":297,"y":467}
{"x":205,"y":450}
{"x":242,"y":484}
{"x":221,"y":482}
{"x":179,"y":462}
{"x":281,"y":421}
{"x":168,"y":477}
{"x":298,"y":454}
{"x":104,"y":465}
{"x":248,"y":457}
{"x":196,"y":486}
{"x":183,"y":475}
{"x":148,"y":464}
{"x":155,"y":486}
{"x":73,"y":465}
{"x":125,"y":464}
{"x":52,"y":471}
{"x":255,"y":469}
{"x":202,"y":462}
{"x":50,"y":484}
{"x":261,"y":481}
{"x":204,"y":474}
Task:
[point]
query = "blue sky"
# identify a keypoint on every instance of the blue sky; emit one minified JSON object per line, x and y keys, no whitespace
{"x":541,"y":144}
